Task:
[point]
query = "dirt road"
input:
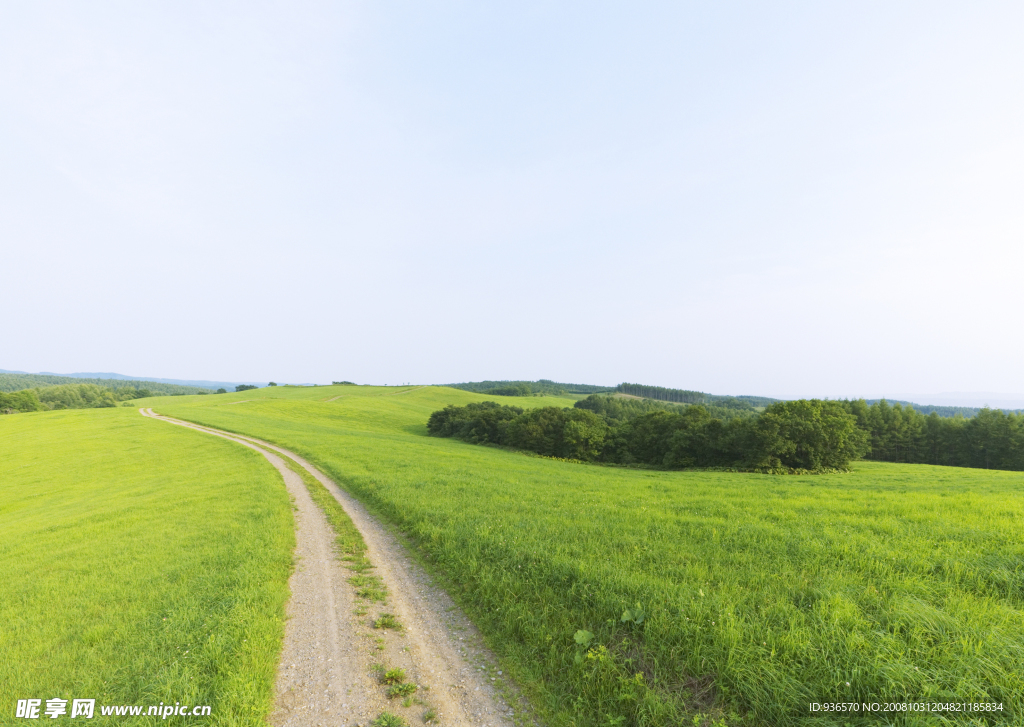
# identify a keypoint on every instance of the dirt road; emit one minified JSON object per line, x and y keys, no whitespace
{"x":326,"y":675}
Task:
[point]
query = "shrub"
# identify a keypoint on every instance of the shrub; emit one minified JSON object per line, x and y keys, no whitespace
{"x":20,"y":401}
{"x":386,"y":719}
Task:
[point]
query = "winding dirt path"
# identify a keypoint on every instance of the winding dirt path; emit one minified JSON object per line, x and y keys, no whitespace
{"x":326,"y":674}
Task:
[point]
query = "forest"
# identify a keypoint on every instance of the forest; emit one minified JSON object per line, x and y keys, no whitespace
{"x":68,"y":396}
{"x":790,"y":436}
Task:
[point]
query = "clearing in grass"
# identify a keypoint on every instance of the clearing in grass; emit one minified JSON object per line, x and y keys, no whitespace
{"x":638,"y":597}
{"x":141,"y":563}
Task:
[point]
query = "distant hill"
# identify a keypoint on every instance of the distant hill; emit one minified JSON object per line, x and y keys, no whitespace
{"x":966,"y":412}
{"x":18,"y":382}
{"x":528,"y":388}
{"x":203,"y":384}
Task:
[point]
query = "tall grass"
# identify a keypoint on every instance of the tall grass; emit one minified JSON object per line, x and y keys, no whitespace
{"x":140,"y":563}
{"x":759,"y":594}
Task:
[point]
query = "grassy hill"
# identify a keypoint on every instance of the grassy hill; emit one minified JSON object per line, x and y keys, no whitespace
{"x":141,"y":563}
{"x":636,"y":597}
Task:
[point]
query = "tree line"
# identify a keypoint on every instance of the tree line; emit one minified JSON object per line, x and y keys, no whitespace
{"x":67,"y":396}
{"x":802,"y":435}
{"x":683,"y":396}
{"x":528,"y":388}
{"x":791,"y":436}
{"x":991,"y":439}
{"x":616,"y":408}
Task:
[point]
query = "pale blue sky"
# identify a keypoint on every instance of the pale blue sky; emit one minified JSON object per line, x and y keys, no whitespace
{"x":809,"y":199}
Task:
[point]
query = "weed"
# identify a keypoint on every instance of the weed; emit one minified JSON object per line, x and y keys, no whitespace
{"x":369,"y":587}
{"x":634,"y":615}
{"x":386,"y":621}
{"x":386,"y":719}
{"x":430,"y":715}
{"x":392,"y":676}
{"x":401,"y":690}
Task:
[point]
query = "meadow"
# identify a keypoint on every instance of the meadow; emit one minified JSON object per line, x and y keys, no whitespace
{"x":141,"y":563}
{"x":640,"y":597}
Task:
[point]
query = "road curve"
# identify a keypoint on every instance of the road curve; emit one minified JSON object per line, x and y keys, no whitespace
{"x":325,"y":676}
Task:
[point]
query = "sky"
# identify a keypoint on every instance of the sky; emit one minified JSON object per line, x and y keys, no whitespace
{"x":785,"y":199}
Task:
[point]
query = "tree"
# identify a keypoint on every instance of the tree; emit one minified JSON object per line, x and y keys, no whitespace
{"x":807,"y":434}
{"x":271,"y":384}
{"x":245,"y":387}
{"x":222,"y":391}
{"x":583,"y":434}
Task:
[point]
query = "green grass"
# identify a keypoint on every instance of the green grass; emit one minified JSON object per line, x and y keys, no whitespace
{"x":140,"y":562}
{"x":758,"y":594}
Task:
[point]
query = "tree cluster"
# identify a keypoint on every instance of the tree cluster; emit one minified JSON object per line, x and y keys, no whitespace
{"x":809,"y":435}
{"x":245,"y":387}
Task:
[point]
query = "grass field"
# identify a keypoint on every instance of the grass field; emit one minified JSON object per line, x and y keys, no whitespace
{"x":141,"y":563}
{"x":759,"y":594}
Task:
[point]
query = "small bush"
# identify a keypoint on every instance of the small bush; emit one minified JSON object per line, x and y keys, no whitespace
{"x":386,"y":719}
